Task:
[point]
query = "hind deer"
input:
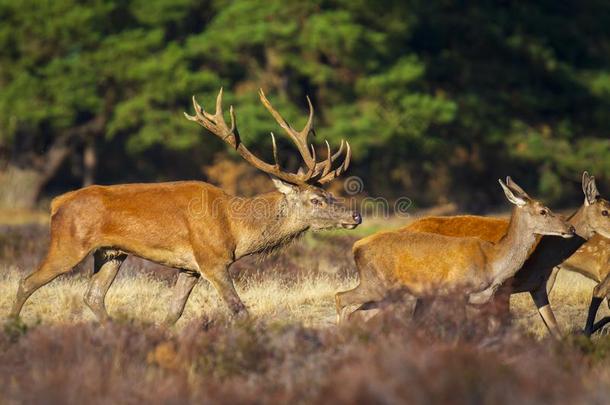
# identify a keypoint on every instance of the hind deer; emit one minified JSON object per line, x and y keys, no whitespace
{"x":190,"y":225}
{"x":588,"y":254}
{"x":429,"y":264}
{"x":592,"y":260}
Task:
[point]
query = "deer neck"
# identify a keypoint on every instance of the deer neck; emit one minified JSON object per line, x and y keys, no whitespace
{"x":264,"y":223}
{"x":579,"y":221}
{"x":510,"y":253}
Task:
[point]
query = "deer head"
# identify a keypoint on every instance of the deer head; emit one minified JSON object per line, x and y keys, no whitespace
{"x":304,"y":198}
{"x":596,"y":210}
{"x":538,"y":218}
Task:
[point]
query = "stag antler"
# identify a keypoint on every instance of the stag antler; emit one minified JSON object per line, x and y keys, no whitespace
{"x":315,"y":172}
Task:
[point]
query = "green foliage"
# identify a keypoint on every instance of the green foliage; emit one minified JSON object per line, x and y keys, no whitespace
{"x":428,"y":93}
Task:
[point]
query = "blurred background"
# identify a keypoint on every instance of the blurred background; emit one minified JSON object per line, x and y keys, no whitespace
{"x":438,"y":99}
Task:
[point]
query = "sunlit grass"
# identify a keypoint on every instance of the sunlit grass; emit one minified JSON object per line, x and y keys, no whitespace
{"x":18,"y":216}
{"x":136,"y":296}
{"x":308,"y":300}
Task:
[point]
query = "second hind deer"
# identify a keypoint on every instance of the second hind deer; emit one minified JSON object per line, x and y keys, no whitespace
{"x":427,"y":264}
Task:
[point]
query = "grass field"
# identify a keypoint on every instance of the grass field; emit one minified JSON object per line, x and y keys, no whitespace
{"x":307,"y":300}
{"x":291,"y":351}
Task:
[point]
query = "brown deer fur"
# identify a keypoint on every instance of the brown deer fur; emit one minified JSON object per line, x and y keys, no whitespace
{"x":189,"y":225}
{"x":428,"y":264}
{"x":588,"y":255}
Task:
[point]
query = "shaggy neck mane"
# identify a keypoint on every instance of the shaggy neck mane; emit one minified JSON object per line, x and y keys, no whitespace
{"x":265,"y":223}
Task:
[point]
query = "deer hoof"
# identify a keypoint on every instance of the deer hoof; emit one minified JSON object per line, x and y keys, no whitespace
{"x":241,"y":315}
{"x":345,"y":314}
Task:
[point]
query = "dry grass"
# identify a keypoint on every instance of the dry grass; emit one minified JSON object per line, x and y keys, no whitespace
{"x":388,"y":360}
{"x":291,"y":352}
{"x":139,"y":296}
{"x":17,"y":216}
{"x":308,"y":300}
{"x":570,"y":300}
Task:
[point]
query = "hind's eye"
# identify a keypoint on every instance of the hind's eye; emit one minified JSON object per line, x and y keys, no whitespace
{"x":543,"y":212}
{"x":605,"y":213}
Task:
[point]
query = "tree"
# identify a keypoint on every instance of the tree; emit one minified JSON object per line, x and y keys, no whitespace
{"x":437,"y":98}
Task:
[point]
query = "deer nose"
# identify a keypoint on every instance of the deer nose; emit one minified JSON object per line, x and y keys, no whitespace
{"x":357,"y":217}
{"x":572,"y":230}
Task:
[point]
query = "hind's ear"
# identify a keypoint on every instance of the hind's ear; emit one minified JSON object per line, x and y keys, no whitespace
{"x":589,"y":188}
{"x":512,"y":196}
{"x":516,"y":188}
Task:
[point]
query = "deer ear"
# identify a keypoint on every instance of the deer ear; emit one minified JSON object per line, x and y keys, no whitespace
{"x":516,"y":188}
{"x":283,"y":187}
{"x":589,"y":188}
{"x":515,"y":199}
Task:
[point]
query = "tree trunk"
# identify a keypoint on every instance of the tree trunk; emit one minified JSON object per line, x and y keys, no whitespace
{"x":26,"y":194}
{"x":18,"y":187}
{"x":89,"y":161}
{"x":21,"y":188}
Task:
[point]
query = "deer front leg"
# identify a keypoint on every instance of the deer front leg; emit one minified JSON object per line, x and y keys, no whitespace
{"x":550,"y":282}
{"x":599,"y":293}
{"x":184,"y":285}
{"x":541,"y":300}
{"x":220,"y":279}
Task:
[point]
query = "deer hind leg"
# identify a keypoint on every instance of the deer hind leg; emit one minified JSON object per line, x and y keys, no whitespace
{"x":499,"y":305}
{"x":350,"y":301}
{"x":422,"y":308}
{"x":58,"y":261}
{"x":107,"y":263}
{"x":184,"y":285}
{"x":497,"y":310}
{"x":369,"y":291}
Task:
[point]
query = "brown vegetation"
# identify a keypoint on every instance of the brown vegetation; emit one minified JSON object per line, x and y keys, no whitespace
{"x":386,"y":360}
{"x":290,"y":352}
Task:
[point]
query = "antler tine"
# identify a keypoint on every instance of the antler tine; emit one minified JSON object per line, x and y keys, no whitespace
{"x":274,"y":145}
{"x":217,"y":126}
{"x":216,"y":123}
{"x":327,"y":165}
{"x":339,"y":152}
{"x":339,"y":170}
{"x":348,"y":157}
{"x":308,"y":128}
{"x":314,"y":172}
{"x":299,"y":138}
{"x":233,"y":128}
{"x":197,"y":108}
{"x":219,"y":103}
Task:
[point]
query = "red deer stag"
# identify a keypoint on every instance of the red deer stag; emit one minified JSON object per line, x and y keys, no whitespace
{"x":190,"y":225}
{"x":588,"y":254}
{"x":428,"y":264}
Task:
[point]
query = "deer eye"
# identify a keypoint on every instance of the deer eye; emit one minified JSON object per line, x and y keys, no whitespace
{"x":543,"y":212}
{"x":316,"y":201}
{"x":605,"y":213}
